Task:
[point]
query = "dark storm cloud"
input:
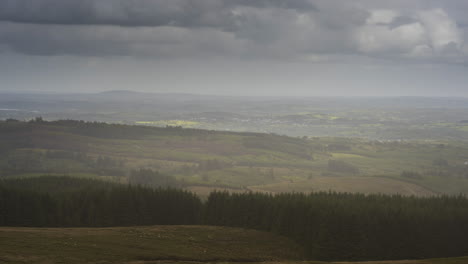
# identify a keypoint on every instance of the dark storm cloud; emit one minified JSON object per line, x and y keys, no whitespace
{"x":167,"y":42}
{"x":315,"y":30}
{"x":184,"y":13}
{"x":240,"y":28}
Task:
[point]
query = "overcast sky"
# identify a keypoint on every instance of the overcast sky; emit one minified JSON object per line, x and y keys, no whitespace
{"x":236,"y":47}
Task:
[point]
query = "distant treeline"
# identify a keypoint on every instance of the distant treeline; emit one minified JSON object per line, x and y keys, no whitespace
{"x":106,"y":130}
{"x":330,"y":226}
{"x":59,"y":161}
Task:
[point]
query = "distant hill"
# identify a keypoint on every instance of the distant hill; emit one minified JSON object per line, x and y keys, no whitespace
{"x":380,"y":118}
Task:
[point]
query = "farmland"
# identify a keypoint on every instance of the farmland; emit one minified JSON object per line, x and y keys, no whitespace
{"x":232,"y":160}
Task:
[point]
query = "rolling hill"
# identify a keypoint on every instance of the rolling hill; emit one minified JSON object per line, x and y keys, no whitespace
{"x":206,"y":160}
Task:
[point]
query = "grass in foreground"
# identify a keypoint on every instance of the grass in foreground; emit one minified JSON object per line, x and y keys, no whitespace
{"x":143,"y":244}
{"x":159,"y":244}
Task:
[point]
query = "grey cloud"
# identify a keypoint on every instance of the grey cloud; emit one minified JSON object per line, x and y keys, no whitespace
{"x":185,"y":13}
{"x":422,"y":30}
{"x":103,"y":40}
{"x":304,"y":5}
{"x":252,"y":29}
{"x":401,"y":20}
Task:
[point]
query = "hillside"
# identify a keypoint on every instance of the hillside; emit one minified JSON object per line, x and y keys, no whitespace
{"x":203,"y":160}
{"x":143,"y":244}
{"x":157,"y":244}
{"x":328,"y":226}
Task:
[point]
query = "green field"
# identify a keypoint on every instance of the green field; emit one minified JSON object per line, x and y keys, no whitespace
{"x":204,"y":159}
{"x":157,"y":244}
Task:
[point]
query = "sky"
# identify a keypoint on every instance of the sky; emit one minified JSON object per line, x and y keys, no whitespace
{"x":236,"y":47}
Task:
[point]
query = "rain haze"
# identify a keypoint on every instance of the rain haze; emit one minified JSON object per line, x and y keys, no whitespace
{"x":236,"y":47}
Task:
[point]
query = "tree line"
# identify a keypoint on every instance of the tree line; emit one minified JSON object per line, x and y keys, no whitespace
{"x":51,"y":201}
{"x":340,"y":226}
{"x":330,"y":226}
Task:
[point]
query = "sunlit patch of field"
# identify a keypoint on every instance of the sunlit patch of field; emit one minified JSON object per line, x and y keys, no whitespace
{"x":351,"y":184}
{"x":325,"y":116}
{"x":463,"y":128}
{"x":182,"y":123}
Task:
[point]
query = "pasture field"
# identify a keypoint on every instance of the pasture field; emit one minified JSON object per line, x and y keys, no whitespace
{"x":232,"y":160}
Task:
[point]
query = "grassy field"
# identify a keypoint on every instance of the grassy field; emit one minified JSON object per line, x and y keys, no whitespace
{"x":157,"y":244}
{"x":143,"y":244}
{"x":241,"y":160}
